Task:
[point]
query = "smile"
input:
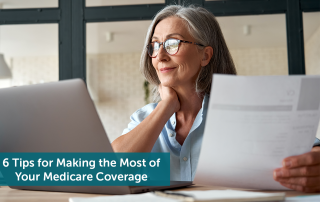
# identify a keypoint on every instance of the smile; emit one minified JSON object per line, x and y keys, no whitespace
{"x":166,"y":69}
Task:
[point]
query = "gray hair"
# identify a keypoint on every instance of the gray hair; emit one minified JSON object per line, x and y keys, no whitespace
{"x":205,"y":29}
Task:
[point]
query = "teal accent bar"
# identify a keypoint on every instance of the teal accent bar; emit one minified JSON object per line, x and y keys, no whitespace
{"x":85,"y":169}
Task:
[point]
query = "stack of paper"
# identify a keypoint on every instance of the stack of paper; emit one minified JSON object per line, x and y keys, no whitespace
{"x":201,"y":196}
{"x":146,"y":197}
{"x":304,"y":199}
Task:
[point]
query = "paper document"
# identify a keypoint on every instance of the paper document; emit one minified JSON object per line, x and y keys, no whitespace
{"x":304,"y":199}
{"x":232,"y":196}
{"x":194,"y":196}
{"x":253,"y":123}
{"x":146,"y":197}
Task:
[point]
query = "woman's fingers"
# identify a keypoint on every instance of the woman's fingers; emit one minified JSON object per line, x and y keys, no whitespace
{"x":167,"y":93}
{"x":170,"y":96}
{"x":301,"y":181}
{"x":307,"y":159}
{"x":301,"y":188}
{"x":301,"y":173}
{"x":308,"y":171}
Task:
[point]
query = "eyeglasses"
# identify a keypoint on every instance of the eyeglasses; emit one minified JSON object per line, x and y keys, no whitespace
{"x":171,"y":46}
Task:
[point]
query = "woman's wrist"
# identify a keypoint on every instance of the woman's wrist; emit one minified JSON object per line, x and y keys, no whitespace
{"x":168,"y":106}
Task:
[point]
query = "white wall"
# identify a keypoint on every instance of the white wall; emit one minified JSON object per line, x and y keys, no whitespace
{"x":117,"y":88}
{"x":32,"y":70}
{"x":261,"y":61}
{"x":312,"y":54}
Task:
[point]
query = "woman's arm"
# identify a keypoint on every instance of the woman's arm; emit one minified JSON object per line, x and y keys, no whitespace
{"x":143,"y":136}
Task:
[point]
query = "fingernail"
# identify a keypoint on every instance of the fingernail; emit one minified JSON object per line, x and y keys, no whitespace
{"x":278,"y":173}
{"x":287,"y":164}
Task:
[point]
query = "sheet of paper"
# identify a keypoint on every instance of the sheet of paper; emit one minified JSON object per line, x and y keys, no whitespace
{"x":315,"y":198}
{"x":252,"y":124}
{"x":232,"y":195}
{"x":146,"y":197}
{"x":208,"y":195}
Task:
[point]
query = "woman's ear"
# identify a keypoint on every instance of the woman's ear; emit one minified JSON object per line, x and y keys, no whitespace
{"x":207,"y":53}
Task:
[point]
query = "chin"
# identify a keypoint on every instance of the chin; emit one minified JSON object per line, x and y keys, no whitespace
{"x":168,"y":83}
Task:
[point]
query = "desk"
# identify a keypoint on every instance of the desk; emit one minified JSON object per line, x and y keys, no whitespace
{"x":13,"y":195}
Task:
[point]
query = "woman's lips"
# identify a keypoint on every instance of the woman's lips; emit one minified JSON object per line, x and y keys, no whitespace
{"x":166,"y":69}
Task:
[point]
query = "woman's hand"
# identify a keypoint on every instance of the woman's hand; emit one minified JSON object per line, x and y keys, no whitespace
{"x":301,"y":173}
{"x":170,"y":97}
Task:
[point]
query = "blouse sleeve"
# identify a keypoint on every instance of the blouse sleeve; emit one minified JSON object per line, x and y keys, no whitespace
{"x":316,"y":142}
{"x":138,"y":116}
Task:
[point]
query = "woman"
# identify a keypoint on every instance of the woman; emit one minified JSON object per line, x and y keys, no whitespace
{"x":193,"y":48}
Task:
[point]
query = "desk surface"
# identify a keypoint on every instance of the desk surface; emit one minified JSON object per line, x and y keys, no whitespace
{"x":13,"y":195}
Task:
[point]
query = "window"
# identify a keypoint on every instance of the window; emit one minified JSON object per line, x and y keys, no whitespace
{"x":121,"y":2}
{"x":257,"y":44}
{"x":311,"y":27}
{"x":31,"y":53}
{"x":22,"y":4}
{"x":113,"y":77}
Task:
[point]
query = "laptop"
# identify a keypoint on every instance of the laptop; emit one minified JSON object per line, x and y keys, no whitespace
{"x":58,"y":117}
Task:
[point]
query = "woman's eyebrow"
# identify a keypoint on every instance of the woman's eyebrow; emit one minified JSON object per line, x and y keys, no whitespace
{"x":169,"y":35}
{"x":174,"y":34}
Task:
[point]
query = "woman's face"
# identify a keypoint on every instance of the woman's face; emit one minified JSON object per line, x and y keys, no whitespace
{"x":182,"y":68}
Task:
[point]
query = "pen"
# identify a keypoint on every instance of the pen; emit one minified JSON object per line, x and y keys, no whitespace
{"x":173,"y":195}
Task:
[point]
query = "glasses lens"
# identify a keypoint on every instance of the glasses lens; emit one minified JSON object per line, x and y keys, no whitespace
{"x":153,"y":49}
{"x":172,"y":46}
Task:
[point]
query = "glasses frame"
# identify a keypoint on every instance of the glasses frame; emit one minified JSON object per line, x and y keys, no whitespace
{"x":164,"y":47}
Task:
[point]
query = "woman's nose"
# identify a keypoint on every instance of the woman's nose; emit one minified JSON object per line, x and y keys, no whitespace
{"x":162,"y":54}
